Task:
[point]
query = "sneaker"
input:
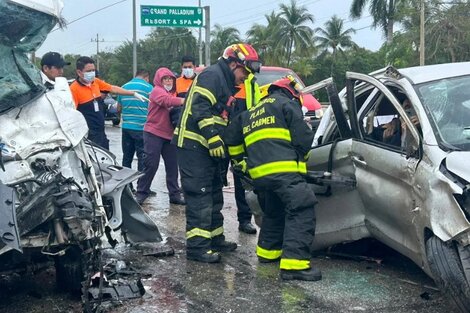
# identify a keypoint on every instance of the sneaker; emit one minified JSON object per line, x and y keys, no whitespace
{"x":311,"y":274}
{"x":264,"y":260}
{"x":152,"y":193}
{"x":224,"y":246}
{"x":178,"y":199}
{"x":247,"y":228}
{"x":208,"y":257}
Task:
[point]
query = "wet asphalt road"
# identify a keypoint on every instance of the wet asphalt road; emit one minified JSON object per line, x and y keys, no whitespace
{"x":240,"y":283}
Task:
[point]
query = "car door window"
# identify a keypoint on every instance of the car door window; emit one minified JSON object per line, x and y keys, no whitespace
{"x":380,"y":119}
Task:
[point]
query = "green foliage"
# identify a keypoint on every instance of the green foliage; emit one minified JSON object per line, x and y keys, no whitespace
{"x":287,"y":39}
{"x":221,"y":39}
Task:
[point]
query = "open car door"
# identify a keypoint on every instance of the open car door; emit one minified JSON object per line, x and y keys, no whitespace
{"x":339,"y":213}
{"x":385,"y":155}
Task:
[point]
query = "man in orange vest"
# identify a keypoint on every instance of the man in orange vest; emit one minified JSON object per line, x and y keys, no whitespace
{"x":182,"y":85}
{"x":187,"y":76}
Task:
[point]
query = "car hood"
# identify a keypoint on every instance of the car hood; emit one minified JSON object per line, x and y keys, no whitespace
{"x":456,"y":163}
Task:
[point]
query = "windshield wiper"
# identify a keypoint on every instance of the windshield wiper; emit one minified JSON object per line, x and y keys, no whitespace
{"x":450,"y":147}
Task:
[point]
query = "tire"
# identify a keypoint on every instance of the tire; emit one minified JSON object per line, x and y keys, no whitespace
{"x":446,"y":266}
{"x":70,"y":270}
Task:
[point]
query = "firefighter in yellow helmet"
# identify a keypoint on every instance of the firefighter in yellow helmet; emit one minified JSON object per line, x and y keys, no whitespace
{"x":201,"y":150}
{"x":271,"y":142}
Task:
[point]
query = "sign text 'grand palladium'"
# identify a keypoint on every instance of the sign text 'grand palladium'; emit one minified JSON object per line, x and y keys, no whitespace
{"x":168,"y":16}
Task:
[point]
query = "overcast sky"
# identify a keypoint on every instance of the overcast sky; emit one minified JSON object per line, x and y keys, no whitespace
{"x":114,"y":24}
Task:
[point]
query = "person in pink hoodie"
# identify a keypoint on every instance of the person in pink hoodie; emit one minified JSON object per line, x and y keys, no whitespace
{"x":158,"y":132}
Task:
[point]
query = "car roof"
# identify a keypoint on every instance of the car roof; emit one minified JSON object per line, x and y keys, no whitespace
{"x":421,"y":74}
{"x":275,"y":68}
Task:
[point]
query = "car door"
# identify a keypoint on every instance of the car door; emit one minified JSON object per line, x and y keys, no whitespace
{"x":339,"y":212}
{"x":384,"y":171}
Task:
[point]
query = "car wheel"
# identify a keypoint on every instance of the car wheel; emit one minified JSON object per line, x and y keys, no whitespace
{"x":116,"y":121}
{"x":447,"y":267}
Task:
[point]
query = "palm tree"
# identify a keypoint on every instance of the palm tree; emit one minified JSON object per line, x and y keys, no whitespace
{"x":293,"y":34}
{"x":335,"y":37}
{"x":383,"y":12}
{"x":172,"y":42}
{"x":263,"y":39}
{"x":222,"y":38}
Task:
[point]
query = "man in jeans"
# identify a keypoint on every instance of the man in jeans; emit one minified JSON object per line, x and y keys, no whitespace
{"x":134,"y":115}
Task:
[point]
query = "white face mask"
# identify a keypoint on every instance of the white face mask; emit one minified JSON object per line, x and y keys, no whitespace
{"x":89,"y":76}
{"x":188,"y":72}
{"x":168,"y":87}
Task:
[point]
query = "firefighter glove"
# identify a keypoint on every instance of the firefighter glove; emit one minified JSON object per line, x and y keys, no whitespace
{"x":138,"y":96}
{"x":216,"y":147}
{"x":239,"y":166}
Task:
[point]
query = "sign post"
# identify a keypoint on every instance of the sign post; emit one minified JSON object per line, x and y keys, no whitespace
{"x":171,"y":16}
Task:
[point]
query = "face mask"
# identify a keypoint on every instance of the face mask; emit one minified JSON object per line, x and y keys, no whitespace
{"x":188,"y":72}
{"x":89,"y":76}
{"x":168,"y":87}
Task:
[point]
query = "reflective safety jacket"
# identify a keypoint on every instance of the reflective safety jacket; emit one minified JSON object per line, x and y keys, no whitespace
{"x":182,"y":85}
{"x":206,"y":108}
{"x":272,"y":136}
{"x":247,"y":96}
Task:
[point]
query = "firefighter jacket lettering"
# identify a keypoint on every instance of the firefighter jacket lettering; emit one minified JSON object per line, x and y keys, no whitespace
{"x":207,"y":108}
{"x":272,"y":136}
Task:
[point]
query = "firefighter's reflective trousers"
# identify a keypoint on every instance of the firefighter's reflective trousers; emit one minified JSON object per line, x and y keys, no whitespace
{"x":202,"y":187}
{"x":288,"y":223}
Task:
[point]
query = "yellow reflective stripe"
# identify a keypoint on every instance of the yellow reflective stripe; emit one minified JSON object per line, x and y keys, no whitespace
{"x":242,"y":47}
{"x":176,"y":131}
{"x":211,"y":121}
{"x":268,"y":254}
{"x":278,"y":167}
{"x":198,"y":232}
{"x":219,"y":120}
{"x":205,"y":122}
{"x":185,"y":115}
{"x":235,"y":150}
{"x":214,"y":139}
{"x":267,"y":133}
{"x":206,"y":93}
{"x":196,"y":137}
{"x":293,"y":264}
{"x":217,"y":232}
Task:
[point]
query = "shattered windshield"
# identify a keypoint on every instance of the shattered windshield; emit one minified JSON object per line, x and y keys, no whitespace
{"x":22,"y":31}
{"x":447,"y":102}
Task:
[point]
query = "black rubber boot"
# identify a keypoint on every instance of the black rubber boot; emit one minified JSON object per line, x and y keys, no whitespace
{"x":224,"y":246}
{"x":311,"y":274}
{"x":208,"y":257}
{"x":247,"y":228}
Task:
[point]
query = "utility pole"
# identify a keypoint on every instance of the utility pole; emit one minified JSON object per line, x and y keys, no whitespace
{"x":199,"y":43}
{"x":134,"y":40}
{"x":97,"y":40}
{"x":208,"y":34}
{"x":421,"y":35}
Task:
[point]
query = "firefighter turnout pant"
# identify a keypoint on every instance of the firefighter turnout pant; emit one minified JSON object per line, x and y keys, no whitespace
{"x":202,"y":186}
{"x":288,"y":225}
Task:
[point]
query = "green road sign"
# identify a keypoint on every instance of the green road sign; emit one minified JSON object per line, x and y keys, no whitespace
{"x":167,"y":16}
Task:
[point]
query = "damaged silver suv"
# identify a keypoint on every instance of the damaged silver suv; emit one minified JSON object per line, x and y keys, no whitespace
{"x":404,"y":137}
{"x":390,"y":160}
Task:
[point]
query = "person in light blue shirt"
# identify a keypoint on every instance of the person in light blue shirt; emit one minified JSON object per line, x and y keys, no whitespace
{"x":134,"y":116}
